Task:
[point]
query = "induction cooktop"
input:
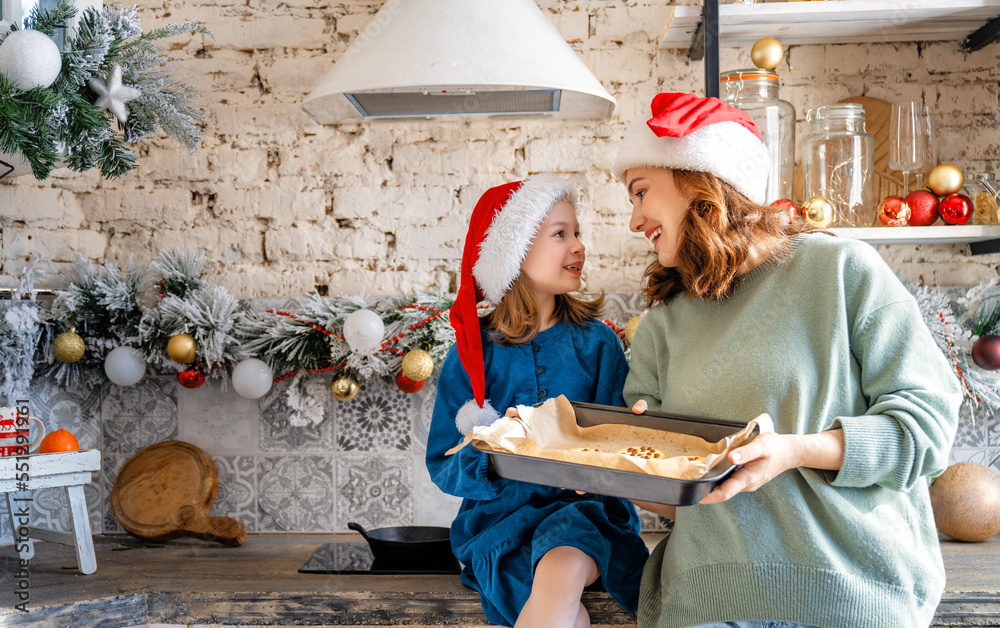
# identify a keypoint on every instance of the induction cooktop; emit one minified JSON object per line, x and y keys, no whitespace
{"x":355,"y":558}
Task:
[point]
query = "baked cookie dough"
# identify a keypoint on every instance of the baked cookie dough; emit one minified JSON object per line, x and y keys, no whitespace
{"x":642,"y":451}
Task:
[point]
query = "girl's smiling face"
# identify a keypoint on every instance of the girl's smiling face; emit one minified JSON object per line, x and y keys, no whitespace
{"x":554,"y":263}
{"x":658,"y":210}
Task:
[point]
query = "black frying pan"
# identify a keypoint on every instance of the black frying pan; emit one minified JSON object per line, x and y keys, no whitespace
{"x":407,"y":544}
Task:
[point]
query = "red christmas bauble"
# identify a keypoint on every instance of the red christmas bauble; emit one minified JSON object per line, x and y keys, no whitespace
{"x":893,"y":211}
{"x":986,"y":352}
{"x":191,"y":378}
{"x":955,"y":209}
{"x":788,"y":205}
{"x":408,"y":385}
{"x":923,"y":208}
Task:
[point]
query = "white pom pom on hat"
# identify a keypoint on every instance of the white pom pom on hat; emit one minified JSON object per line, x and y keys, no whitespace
{"x":471,"y":415}
{"x":688,"y":132}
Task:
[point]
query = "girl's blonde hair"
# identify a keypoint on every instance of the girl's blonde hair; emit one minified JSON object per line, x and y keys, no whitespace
{"x":516,"y":319}
{"x":719,"y":231}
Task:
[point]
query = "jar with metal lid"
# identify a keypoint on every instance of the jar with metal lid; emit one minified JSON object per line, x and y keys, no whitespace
{"x":982,"y":189}
{"x":756,"y":92}
{"x":838,"y":161}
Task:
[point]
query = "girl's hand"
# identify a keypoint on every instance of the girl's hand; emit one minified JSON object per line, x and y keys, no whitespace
{"x":640,"y":406}
{"x":511,"y":412}
{"x":771,"y":454}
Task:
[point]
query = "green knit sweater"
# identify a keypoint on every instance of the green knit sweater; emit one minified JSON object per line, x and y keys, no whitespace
{"x":821,"y":336}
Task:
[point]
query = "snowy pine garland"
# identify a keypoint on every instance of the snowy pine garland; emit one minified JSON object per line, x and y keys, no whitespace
{"x":20,"y":330}
{"x":982,"y":308}
{"x":104,"y":302}
{"x":955,"y":341}
{"x":188,"y":304}
{"x":19,"y":334}
{"x":46,"y":125}
{"x":211,"y":315}
{"x":111,"y":306}
{"x":103,"y":306}
{"x":180,"y":272}
{"x":311,"y":339}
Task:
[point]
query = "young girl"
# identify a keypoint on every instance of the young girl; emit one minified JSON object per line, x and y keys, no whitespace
{"x":529,"y":549}
{"x":828,"y":522}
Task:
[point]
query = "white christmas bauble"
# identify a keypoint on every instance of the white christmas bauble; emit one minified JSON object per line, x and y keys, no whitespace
{"x":252,"y":378}
{"x":363,"y":331}
{"x":30,"y":59}
{"x":124,"y":366}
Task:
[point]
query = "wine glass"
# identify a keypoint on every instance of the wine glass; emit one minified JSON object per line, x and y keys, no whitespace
{"x":906,"y":142}
{"x":930,"y":149}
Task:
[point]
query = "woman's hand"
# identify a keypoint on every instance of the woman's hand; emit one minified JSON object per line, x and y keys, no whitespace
{"x":771,"y":454}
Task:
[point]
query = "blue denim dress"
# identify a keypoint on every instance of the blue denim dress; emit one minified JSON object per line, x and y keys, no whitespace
{"x":504,"y":527}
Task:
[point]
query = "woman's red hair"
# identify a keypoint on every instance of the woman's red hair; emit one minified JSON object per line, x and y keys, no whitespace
{"x":719,"y":232}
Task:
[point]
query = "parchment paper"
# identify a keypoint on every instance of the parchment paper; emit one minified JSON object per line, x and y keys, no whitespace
{"x":550,"y":431}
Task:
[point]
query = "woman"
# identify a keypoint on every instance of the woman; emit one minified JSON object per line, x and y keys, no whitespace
{"x":828,"y":522}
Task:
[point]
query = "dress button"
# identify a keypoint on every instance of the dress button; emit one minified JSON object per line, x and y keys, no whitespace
{"x":536,"y":348}
{"x":541,"y":393}
{"x":539,"y":370}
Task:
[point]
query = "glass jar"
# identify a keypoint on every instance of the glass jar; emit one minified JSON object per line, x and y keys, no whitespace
{"x":756,"y":92}
{"x":837,"y":162}
{"x":981,"y":188}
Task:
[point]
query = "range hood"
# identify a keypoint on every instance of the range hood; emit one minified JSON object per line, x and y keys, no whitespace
{"x":458,"y":59}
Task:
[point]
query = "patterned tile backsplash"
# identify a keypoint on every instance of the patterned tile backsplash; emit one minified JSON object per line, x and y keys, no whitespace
{"x":361,"y":460}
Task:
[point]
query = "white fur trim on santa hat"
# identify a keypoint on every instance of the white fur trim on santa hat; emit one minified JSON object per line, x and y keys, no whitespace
{"x":512,"y":232}
{"x":470,"y":415}
{"x":726,"y":149}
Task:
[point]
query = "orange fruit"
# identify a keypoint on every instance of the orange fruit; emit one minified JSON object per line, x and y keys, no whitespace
{"x":59,"y":440}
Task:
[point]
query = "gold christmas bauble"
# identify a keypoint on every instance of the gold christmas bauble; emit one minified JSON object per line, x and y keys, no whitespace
{"x":68,"y":347}
{"x":345,"y":388}
{"x":182,"y":348}
{"x":630,"y":328}
{"x":820,"y":211}
{"x":767,"y":53}
{"x":418,"y":365}
{"x":945,"y":179}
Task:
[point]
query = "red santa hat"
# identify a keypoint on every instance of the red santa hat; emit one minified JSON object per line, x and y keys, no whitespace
{"x":502,"y":229}
{"x":688,"y":132}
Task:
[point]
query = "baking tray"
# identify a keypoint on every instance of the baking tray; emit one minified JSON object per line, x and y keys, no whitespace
{"x":616,"y":482}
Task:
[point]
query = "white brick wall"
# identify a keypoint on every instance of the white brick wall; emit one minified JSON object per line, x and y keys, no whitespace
{"x":282,"y":206}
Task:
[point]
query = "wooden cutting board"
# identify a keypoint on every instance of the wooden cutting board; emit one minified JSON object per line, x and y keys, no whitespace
{"x":166,"y":491}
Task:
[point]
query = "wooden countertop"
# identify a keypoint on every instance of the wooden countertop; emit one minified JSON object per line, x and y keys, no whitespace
{"x":198,"y":582}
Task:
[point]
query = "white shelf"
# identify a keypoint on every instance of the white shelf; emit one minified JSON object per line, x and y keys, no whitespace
{"x":941,"y":234}
{"x":835,"y":21}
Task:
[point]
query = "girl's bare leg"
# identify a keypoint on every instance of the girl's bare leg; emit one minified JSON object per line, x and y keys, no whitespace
{"x":560,"y":577}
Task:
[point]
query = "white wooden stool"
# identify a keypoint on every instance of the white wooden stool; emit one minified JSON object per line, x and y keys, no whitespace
{"x":70,"y":469}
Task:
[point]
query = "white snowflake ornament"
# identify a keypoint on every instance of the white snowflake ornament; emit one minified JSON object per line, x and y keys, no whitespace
{"x":112,"y":95}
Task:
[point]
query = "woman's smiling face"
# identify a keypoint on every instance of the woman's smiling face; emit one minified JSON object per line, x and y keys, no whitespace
{"x":658,"y":210}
